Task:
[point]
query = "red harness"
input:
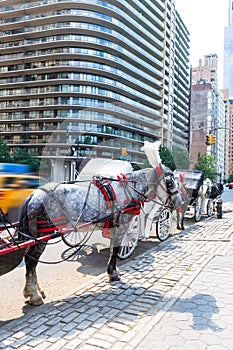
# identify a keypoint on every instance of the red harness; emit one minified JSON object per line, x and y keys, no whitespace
{"x":105,"y":187}
{"x":49,"y":225}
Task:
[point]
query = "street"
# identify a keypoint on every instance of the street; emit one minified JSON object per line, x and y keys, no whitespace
{"x":60,"y":274}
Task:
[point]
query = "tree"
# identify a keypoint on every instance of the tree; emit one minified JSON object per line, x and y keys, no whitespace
{"x":181,"y":158}
{"x":206,"y":164}
{"x":4,"y":152}
{"x":22,"y":156}
{"x":166,"y":157}
{"x":230,"y":179}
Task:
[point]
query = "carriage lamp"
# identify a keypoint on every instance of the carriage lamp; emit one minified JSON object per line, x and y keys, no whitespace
{"x":219,"y":208}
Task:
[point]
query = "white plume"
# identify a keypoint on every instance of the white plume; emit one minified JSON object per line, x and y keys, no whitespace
{"x":152,"y":152}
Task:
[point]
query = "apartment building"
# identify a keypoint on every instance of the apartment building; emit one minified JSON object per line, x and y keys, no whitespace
{"x":206,"y":71}
{"x":181,"y":105}
{"x":228,"y":134}
{"x":88,"y":78}
{"x":207,"y":116}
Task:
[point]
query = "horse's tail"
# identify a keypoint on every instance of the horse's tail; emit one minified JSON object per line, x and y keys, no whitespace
{"x":23,"y":218}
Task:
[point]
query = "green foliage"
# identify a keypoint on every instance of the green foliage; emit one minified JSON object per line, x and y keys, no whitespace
{"x":4,"y":152}
{"x":166,"y":157}
{"x":21,"y":156}
{"x":230,"y":178}
{"x":181,"y":158}
{"x":206,"y":164}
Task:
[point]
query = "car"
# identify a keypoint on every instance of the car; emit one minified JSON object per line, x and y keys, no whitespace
{"x":230,"y":185}
{"x":14,"y":189}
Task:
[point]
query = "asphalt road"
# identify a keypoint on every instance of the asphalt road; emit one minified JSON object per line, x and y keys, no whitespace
{"x":63,"y":270}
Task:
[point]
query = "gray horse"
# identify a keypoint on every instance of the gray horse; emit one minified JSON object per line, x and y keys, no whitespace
{"x":103,"y":201}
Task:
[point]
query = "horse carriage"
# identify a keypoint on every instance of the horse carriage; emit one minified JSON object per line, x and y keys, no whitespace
{"x":200,"y":192}
{"x":70,"y":210}
{"x":154,"y":219}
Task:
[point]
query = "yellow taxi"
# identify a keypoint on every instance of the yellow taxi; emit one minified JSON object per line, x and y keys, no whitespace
{"x":14,"y":189}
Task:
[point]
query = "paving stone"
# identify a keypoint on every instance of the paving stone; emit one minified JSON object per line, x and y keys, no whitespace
{"x":210,"y":339}
{"x":58,"y":345}
{"x":43,"y":346}
{"x":154,"y":290}
{"x":73,"y":345}
{"x":98,"y":343}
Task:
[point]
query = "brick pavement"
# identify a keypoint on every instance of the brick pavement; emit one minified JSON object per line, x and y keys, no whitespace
{"x":178,"y":295}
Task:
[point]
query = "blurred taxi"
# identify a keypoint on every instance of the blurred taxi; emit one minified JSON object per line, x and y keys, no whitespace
{"x":14,"y":189}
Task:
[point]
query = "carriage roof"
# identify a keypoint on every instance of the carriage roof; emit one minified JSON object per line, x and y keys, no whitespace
{"x":193,"y":178}
{"x":104,"y":167}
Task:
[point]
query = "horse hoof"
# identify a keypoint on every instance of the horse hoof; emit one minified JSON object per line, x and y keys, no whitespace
{"x":114,"y":277}
{"x":43,"y":294}
{"x":36,"y":302}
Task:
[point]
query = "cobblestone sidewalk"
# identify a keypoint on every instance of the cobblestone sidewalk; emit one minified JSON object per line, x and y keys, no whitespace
{"x":159,"y":292}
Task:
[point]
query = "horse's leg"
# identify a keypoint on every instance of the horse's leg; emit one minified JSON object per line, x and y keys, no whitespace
{"x":184,"y":208}
{"x":111,"y":267}
{"x":117,"y":234}
{"x":178,"y":219}
{"x":32,"y":289}
{"x":182,"y":218}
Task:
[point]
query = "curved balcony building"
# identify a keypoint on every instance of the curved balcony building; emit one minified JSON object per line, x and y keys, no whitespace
{"x":181,"y":106}
{"x":95,"y":75}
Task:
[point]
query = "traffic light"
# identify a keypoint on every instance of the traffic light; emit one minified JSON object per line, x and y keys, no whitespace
{"x":208,"y":139}
{"x":123,"y":151}
{"x":213,"y":139}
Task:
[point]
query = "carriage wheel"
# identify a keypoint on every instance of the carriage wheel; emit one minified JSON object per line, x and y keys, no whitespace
{"x":164,"y":224}
{"x":198,"y":209}
{"x":76,"y":238}
{"x":210,"y":207}
{"x":130,"y":239}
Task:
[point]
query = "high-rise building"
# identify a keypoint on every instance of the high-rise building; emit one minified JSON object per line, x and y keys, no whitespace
{"x":181,"y":86}
{"x":207,"y":117}
{"x":206,"y":72}
{"x":228,"y":77}
{"x":86,"y":78}
{"x":228,"y":53}
{"x":228,"y":134}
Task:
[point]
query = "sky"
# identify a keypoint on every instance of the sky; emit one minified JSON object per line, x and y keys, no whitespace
{"x":205,"y":21}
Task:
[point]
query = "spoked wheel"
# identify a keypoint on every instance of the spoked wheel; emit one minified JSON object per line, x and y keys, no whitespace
{"x":130,"y":239}
{"x":198,"y":209}
{"x":164,"y":224}
{"x":210,"y":207}
{"x":76,"y":238}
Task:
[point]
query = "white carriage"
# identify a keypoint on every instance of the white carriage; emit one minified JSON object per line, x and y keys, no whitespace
{"x":198,"y":190}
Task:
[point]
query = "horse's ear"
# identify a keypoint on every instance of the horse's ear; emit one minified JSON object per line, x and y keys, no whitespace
{"x":152,"y":152}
